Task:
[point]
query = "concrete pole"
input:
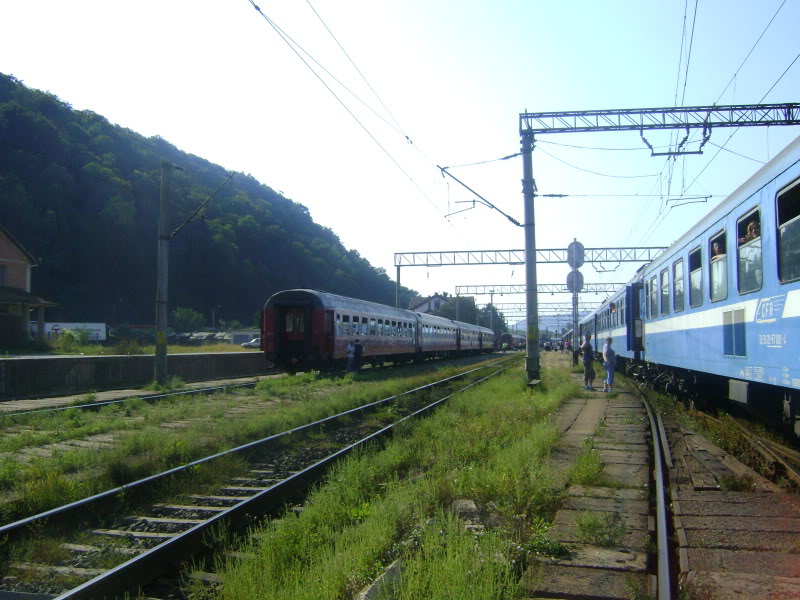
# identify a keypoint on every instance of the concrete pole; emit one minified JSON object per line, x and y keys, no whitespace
{"x":491,"y":310}
{"x":162,"y":275}
{"x":532,"y":353}
{"x":397,"y":289}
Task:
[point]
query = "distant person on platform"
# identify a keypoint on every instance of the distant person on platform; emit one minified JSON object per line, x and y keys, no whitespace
{"x":351,"y":352}
{"x":587,"y":350}
{"x":609,"y":362}
{"x":358,"y":353}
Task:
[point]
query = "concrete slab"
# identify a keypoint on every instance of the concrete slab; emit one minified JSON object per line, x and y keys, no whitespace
{"x":632,"y":522}
{"x":625,"y":458}
{"x":745,"y":561}
{"x":633,"y":540}
{"x":723,"y":586}
{"x":557,"y":581}
{"x":628,"y":475}
{"x":639,"y":507}
{"x":595,"y":557}
{"x":606,"y":492}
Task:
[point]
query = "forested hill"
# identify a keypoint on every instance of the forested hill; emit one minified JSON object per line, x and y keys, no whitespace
{"x":82,"y":195}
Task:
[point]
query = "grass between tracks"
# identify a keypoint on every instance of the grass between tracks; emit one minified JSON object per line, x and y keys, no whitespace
{"x":142,"y":445}
{"x":489,"y":445}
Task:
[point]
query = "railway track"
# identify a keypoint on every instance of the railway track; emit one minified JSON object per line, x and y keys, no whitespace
{"x":147,"y":539}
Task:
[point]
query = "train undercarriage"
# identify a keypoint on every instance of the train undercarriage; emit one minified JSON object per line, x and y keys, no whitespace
{"x":775,"y":405}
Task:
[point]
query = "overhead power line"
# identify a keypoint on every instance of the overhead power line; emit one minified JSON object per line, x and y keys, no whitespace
{"x":294,"y":47}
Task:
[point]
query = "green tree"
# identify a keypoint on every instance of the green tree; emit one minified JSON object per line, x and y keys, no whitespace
{"x":186,"y":319}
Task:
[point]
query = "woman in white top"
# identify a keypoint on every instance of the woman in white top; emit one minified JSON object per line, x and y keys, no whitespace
{"x":609,"y":362}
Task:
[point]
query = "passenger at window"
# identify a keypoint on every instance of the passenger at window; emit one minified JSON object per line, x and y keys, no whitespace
{"x":716,"y":251}
{"x":753,"y":231}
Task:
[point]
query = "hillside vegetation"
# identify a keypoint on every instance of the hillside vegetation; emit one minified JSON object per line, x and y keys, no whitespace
{"x":82,"y":195}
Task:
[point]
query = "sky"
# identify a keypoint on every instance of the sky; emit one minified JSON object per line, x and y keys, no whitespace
{"x":400,"y":88}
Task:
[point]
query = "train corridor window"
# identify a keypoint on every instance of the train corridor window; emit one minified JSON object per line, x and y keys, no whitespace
{"x":789,"y":233}
{"x":677,"y":285}
{"x":373,"y":330}
{"x":695,"y":277}
{"x":665,"y":292}
{"x":748,"y":242}
{"x":718,"y":268}
{"x":338,"y":325}
{"x":345,"y":324}
{"x":654,"y":297}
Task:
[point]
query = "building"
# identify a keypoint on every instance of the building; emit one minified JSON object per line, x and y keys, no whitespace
{"x":427,"y":305}
{"x":16,"y":300}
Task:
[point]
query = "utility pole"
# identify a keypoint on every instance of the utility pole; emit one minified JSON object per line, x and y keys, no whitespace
{"x":532,"y":333}
{"x":162,"y":274}
{"x":491,"y":310}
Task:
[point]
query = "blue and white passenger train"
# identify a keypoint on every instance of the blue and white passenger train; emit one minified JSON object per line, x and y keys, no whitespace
{"x":718,"y":312}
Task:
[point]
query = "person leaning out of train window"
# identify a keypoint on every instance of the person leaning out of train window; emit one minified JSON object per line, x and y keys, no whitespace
{"x":753,"y":231}
{"x":717,"y":251}
{"x":587,"y":350}
{"x":351,"y":353}
{"x":609,"y":363}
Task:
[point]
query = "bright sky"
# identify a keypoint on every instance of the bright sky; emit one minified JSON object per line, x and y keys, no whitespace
{"x":215,"y":79}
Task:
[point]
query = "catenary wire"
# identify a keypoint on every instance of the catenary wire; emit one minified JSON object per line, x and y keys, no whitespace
{"x":374,"y":139}
{"x":386,"y":108}
{"x":595,"y":172}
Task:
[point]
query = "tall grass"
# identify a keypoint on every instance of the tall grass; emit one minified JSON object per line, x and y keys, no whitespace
{"x":489,"y":444}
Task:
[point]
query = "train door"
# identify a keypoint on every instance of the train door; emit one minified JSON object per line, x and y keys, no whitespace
{"x":294,"y":333}
{"x":634,"y":331}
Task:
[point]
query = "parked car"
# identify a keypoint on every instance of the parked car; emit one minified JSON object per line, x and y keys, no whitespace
{"x":254,"y":343}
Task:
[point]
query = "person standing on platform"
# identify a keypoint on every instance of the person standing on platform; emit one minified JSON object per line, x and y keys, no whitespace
{"x":358,"y":353}
{"x":351,"y":352}
{"x":609,"y":362}
{"x":587,"y":350}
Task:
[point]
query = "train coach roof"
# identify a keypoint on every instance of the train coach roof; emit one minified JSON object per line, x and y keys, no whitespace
{"x":334,"y":301}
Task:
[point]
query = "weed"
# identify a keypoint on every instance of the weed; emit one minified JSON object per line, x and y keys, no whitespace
{"x":736,"y":483}
{"x":600,"y":529}
{"x":588,"y":469}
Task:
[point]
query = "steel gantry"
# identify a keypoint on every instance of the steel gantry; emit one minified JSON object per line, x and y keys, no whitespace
{"x":549,"y":306}
{"x":542,"y":288}
{"x":634,"y":119}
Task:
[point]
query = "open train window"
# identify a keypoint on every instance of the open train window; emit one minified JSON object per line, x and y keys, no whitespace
{"x":677,"y":285}
{"x":665,"y":292}
{"x":338,"y":325}
{"x":748,"y":250}
{"x":696,"y":277}
{"x":789,"y":233}
{"x":654,"y":296}
{"x":372,"y":328}
{"x":718,"y":267}
{"x":345,"y":324}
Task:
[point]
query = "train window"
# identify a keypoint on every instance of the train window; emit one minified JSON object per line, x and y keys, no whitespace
{"x":345,"y":324}
{"x":654,"y":297}
{"x":718,"y":267}
{"x":393,"y":330}
{"x":695,"y":277}
{"x":355,"y":326}
{"x":665,"y":292}
{"x":380,"y":326}
{"x":646,"y":298}
{"x":677,"y":285}
{"x":373,"y":330}
{"x":789,"y":233}
{"x":748,"y":242}
{"x":338,"y":325}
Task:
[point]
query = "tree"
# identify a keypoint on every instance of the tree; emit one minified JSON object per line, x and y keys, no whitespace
{"x":186,"y":319}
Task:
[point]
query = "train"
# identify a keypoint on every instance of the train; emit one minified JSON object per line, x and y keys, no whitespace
{"x":513,"y":341}
{"x":717,"y":314}
{"x":310,"y":329}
